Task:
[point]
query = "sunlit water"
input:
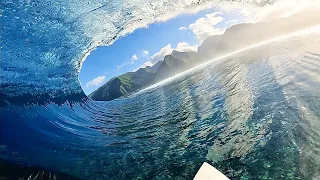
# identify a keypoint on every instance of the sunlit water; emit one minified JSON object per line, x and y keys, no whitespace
{"x":252,"y":115}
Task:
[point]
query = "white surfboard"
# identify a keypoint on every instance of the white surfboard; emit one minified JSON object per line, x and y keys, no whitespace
{"x":208,"y":172}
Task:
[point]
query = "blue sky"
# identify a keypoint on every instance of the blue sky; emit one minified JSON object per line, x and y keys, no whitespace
{"x":148,"y":45}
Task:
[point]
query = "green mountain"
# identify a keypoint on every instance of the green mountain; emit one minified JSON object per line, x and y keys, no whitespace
{"x":235,"y":37}
{"x":124,"y":85}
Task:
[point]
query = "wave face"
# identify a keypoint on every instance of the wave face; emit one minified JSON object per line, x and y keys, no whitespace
{"x":252,"y":115}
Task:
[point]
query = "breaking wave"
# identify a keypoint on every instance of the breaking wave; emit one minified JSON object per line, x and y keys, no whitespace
{"x":254,"y":114}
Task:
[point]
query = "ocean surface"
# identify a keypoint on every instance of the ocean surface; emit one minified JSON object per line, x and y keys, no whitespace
{"x":254,"y":114}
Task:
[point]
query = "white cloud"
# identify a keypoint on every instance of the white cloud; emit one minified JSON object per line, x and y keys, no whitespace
{"x":182,"y":28}
{"x":120,"y":66}
{"x":160,"y":55}
{"x":233,"y":21}
{"x":134,"y":57}
{"x":204,"y":26}
{"x":96,"y":81}
{"x":185,"y":47}
{"x":145,"y":53}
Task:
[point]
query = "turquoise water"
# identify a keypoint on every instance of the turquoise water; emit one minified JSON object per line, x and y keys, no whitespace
{"x":253,"y":115}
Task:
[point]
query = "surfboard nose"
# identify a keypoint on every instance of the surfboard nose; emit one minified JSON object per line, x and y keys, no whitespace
{"x":208,"y":172}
